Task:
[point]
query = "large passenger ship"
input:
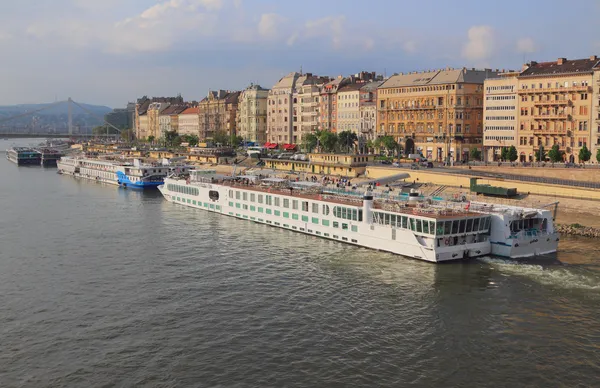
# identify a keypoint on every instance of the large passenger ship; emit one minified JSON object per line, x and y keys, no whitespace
{"x":23,"y":156}
{"x":126,"y":174}
{"x":419,"y":228}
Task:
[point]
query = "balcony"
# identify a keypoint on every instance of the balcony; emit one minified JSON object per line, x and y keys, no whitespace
{"x":552,"y":116}
{"x":546,"y":131}
{"x":556,"y":90}
{"x":553,"y":102}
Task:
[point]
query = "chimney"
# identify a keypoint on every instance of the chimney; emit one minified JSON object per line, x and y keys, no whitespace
{"x":561,"y":61}
{"x":593,"y":58}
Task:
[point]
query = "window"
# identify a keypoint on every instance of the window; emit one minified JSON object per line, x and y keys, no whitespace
{"x":286,"y":203}
{"x":269,"y":211}
{"x":325,"y":222}
{"x":325,"y":210}
{"x":286,"y":215}
{"x":269,"y":200}
{"x":304,"y":206}
{"x":245,"y":196}
{"x":336,"y":224}
{"x":277,"y":202}
{"x":305,"y":218}
{"x":315,"y":221}
{"x":260,"y":198}
{"x":354,"y":228}
{"x":252,"y":197}
{"x":277,"y":213}
{"x":295,"y":204}
{"x":315,"y":208}
{"x":295,"y":217}
{"x":344,"y":226}
{"x":237,"y":195}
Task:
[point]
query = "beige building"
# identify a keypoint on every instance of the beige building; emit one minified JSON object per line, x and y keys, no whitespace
{"x":435,"y":113}
{"x":165,"y":119}
{"x":596,"y":114}
{"x":328,"y":104}
{"x":218,"y":113}
{"x":141,"y":126}
{"x":189,"y":123}
{"x":279,"y":109}
{"x":368,"y":111}
{"x":147,"y":112}
{"x":306,"y":104}
{"x":252,"y":114}
{"x":556,"y":102}
{"x":500,"y":114}
{"x":348,"y":108}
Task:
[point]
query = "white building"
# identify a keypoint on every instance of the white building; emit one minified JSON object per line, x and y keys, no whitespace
{"x":500,"y":115}
{"x":252,"y":114}
{"x":348,"y":108}
{"x":189,"y":122}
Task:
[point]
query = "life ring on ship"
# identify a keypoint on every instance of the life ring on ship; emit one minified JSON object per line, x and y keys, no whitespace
{"x":447,"y":241}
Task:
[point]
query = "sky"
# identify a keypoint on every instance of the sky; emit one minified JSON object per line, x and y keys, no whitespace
{"x":109,"y":52}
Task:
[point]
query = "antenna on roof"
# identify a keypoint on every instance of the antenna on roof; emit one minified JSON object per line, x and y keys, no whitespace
{"x":300,"y":69}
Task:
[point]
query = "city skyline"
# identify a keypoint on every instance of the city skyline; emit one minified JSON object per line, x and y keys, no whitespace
{"x":109,"y":53}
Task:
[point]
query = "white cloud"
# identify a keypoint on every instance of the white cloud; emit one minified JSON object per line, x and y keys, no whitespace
{"x":410,"y":46}
{"x":480,"y":46}
{"x":526,"y":46}
{"x":292,"y":39}
{"x":331,"y":26}
{"x":268,"y":26}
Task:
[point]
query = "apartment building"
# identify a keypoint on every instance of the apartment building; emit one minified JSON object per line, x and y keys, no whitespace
{"x":436,"y":113}
{"x":556,"y":103}
{"x":595,"y":114}
{"x":252,"y":114}
{"x":500,"y":114}
{"x":328,"y":104}
{"x":165,"y":118}
{"x":279,"y":109}
{"x":348,"y":108}
{"x":306,"y":104}
{"x":189,"y":123}
{"x":218,"y":112}
{"x":147,"y":112}
{"x":368,"y":110}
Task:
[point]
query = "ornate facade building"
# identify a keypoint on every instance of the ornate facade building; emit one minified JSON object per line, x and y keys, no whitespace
{"x":218,"y":113}
{"x":436,"y":113}
{"x":252,"y":114}
{"x":556,"y":102}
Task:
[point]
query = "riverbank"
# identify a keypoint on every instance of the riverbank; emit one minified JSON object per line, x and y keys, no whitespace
{"x":578,"y":230}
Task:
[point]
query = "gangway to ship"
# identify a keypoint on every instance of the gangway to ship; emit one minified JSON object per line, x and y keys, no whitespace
{"x":383,"y":181}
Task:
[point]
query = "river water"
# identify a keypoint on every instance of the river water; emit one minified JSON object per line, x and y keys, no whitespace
{"x":102,"y":287}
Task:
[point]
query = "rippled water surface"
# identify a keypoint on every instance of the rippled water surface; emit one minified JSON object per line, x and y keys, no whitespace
{"x":104,"y":287}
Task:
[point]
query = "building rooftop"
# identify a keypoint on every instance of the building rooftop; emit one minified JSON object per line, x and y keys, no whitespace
{"x":288,"y":81}
{"x":439,"y":77}
{"x":370,"y":86}
{"x":173,"y":110}
{"x":560,"y":66}
{"x":351,"y":87}
{"x":191,"y":111}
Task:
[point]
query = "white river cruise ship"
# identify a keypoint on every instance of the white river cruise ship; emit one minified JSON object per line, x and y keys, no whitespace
{"x":418,"y":228}
{"x":133,"y":175}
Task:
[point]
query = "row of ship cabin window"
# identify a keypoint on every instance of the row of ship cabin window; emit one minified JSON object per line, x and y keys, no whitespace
{"x":189,"y":190}
{"x":439,"y":228}
{"x":345,"y":213}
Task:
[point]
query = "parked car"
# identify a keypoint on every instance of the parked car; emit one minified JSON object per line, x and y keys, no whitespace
{"x":386,"y":162}
{"x":414,"y":166}
{"x":396,"y":164}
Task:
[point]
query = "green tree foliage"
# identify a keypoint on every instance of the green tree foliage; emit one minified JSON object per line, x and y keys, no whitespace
{"x":555,"y":154}
{"x":389,"y":143}
{"x":512,"y":153}
{"x":309,"y":142}
{"x":540,"y":155}
{"x":220,"y":137}
{"x":192,"y":140}
{"x":598,"y":155}
{"x":235,"y":140}
{"x":328,"y":141}
{"x":475,"y":154}
{"x":504,"y":154}
{"x":151,"y":139}
{"x":346,"y":140}
{"x":584,"y":154}
{"x":172,"y":138}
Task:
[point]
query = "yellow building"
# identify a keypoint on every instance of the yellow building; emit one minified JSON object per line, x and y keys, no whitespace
{"x":330,"y":164}
{"x":436,"y":113}
{"x":555,"y":107}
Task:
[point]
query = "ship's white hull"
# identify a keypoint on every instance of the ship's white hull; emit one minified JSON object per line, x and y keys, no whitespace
{"x":374,"y":236}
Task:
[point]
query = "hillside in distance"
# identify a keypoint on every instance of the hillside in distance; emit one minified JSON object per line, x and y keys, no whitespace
{"x":29,"y":116}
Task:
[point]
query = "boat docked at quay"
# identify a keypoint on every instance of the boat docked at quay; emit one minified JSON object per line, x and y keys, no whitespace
{"x":135,"y":174}
{"x":24,"y":156}
{"x":420,"y":228}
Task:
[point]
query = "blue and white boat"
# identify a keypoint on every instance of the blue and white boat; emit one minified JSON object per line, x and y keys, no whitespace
{"x":134,"y":175}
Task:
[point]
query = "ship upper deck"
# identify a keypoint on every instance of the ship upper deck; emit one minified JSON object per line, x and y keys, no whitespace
{"x":276,"y":186}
